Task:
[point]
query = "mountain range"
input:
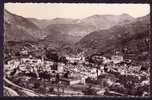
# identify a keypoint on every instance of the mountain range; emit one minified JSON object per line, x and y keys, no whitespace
{"x":92,"y":34}
{"x":70,"y":28}
{"x":81,"y":27}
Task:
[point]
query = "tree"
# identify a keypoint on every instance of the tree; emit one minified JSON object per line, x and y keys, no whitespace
{"x":66,"y":75}
{"x":17,"y":54}
{"x":52,"y":56}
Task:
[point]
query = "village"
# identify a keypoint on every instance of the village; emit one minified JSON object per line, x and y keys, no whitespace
{"x":77,"y":75}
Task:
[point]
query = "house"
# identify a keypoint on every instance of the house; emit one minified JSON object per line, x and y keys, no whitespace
{"x":60,"y":67}
{"x":106,"y":60}
{"x":24,"y":52}
{"x":83,"y":80}
{"x":117,"y":59}
{"x":72,"y":82}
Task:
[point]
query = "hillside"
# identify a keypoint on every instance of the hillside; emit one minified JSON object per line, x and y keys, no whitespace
{"x":131,"y":38}
{"x":18,"y":28}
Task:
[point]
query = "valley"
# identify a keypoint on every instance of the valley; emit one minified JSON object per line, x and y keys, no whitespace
{"x":103,"y":55}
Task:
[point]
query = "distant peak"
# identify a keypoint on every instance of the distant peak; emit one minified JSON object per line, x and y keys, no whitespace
{"x":97,"y":15}
{"x":124,"y":14}
{"x":57,"y":18}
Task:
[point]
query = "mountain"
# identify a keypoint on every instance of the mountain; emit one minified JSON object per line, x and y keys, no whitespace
{"x":131,"y":37}
{"x":75,"y":31}
{"x":63,"y":21}
{"x":69,"y":27}
{"x":105,"y":21}
{"x":62,"y":29}
{"x":18,"y":28}
{"x":43,"y":23}
{"x":81,"y":27}
{"x":57,"y":32}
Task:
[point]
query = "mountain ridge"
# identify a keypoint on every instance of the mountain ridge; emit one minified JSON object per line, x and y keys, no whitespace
{"x":62,"y":31}
{"x":117,"y":37}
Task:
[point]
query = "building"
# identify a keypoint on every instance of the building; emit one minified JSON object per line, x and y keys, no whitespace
{"x":60,"y":67}
{"x":24,"y":52}
{"x":72,"y":82}
{"x":117,"y":59}
{"x":73,"y":59}
{"x":106,"y":60}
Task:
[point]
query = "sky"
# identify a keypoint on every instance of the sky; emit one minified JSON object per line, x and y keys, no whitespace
{"x":76,"y":11}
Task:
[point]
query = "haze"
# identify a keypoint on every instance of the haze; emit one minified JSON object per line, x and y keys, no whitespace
{"x":71,"y":10}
